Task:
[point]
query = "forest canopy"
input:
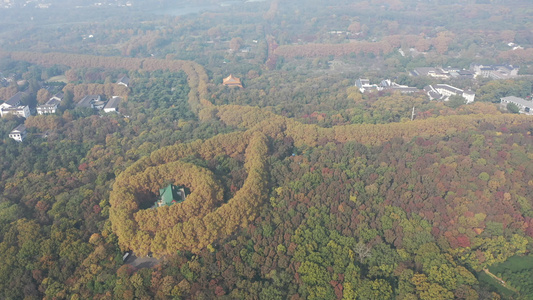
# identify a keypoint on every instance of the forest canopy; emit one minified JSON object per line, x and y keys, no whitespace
{"x":299,"y":185}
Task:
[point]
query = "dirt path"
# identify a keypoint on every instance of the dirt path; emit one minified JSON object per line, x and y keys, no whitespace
{"x":501,"y":281}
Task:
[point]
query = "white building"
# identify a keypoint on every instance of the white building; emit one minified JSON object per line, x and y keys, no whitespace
{"x":525,"y":107}
{"x":19,"y":133}
{"x":444,"y":91}
{"x":124,"y":80}
{"x":21,"y":111}
{"x":495,"y":71}
{"x":13,"y":101}
{"x":112,"y":105}
{"x":442,"y":73}
{"x":91,"y":101}
{"x":364,"y":85}
{"x":13,"y":106}
{"x":432,"y":72}
{"x":388,"y":85}
{"x":50,"y":107}
{"x":385,"y":85}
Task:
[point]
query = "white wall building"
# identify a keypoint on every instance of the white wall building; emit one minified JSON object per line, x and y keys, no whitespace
{"x":19,"y":133}
{"x":90,"y":101}
{"x":112,"y":105}
{"x":21,"y":111}
{"x":525,"y":107}
{"x":364,"y":85}
{"x":444,"y":91}
{"x":13,"y":106}
{"x":49,"y":108}
{"x":13,"y":101}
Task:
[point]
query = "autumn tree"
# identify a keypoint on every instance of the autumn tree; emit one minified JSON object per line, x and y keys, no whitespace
{"x":235,"y":44}
{"x":43,"y":95}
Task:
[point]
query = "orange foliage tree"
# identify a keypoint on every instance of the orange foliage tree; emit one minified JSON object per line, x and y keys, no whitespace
{"x":195,"y":223}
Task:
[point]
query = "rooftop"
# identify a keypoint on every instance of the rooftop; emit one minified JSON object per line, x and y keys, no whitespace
{"x":449,"y":88}
{"x":59,"y":96}
{"x":125,"y":80}
{"x":423,"y":71}
{"x":21,"y":128}
{"x":16,"y":99}
{"x":52,"y":102}
{"x":113,"y":103}
{"x":88,"y":100}
{"x":403,"y":88}
{"x":171,"y":194}
{"x":232,"y":81}
{"x":14,"y":108}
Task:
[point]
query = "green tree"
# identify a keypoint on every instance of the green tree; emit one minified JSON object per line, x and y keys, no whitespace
{"x":376,"y":290}
{"x":455,"y":101}
{"x":513,"y":108}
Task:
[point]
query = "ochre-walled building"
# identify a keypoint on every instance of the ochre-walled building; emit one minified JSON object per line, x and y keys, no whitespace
{"x":232,"y":81}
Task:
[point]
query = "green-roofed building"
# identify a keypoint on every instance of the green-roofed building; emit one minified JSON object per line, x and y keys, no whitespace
{"x":169,"y":195}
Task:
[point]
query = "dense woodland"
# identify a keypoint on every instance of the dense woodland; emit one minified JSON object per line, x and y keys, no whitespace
{"x":299,"y":186}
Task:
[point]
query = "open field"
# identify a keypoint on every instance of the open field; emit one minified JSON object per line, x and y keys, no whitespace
{"x":59,"y":78}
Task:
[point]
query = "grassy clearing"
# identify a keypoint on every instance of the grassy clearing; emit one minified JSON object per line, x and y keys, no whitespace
{"x":516,"y":272}
{"x":60,"y":78}
{"x":514,"y":264}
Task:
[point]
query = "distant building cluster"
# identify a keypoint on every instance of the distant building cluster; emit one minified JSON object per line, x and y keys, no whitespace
{"x":46,"y":4}
{"x":475,"y":71}
{"x":8,"y":3}
{"x":27,"y":3}
{"x":443,"y":73}
{"x":441,"y":92}
{"x":12,"y":106}
{"x":365,"y":86}
{"x":113,"y":3}
{"x":15,"y":106}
